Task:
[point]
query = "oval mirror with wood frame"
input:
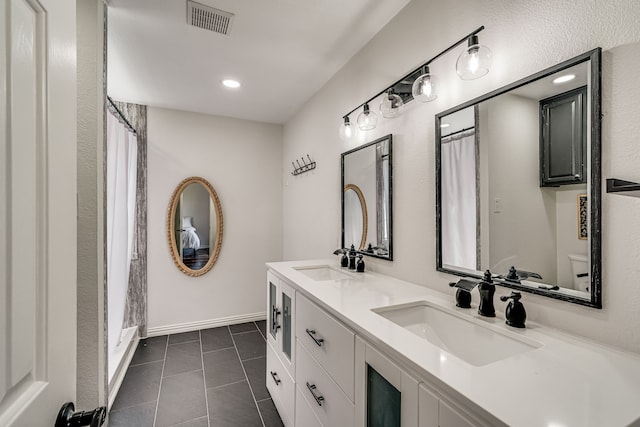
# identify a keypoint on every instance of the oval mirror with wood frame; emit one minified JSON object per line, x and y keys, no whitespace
{"x":194,"y":226}
{"x":356,"y":217}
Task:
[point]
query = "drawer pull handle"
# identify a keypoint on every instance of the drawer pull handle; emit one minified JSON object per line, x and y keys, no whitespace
{"x":312,"y":334}
{"x":275,"y":377}
{"x":319,"y":399}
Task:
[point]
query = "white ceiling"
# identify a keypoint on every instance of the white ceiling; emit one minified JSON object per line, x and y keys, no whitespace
{"x":282,"y":52}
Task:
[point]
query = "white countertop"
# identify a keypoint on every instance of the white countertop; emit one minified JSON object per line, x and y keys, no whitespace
{"x":566,"y":382}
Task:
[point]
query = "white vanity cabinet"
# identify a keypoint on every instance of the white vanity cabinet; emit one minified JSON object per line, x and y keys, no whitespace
{"x":321,"y":373}
{"x":280,"y":375}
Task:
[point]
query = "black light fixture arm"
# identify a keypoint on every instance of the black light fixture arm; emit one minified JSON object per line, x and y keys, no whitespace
{"x":448,"y":49}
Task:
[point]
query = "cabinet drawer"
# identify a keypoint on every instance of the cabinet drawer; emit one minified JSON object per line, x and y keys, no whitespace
{"x":330,"y":343}
{"x":281,"y":387}
{"x":328,"y":401}
{"x":304,"y":414}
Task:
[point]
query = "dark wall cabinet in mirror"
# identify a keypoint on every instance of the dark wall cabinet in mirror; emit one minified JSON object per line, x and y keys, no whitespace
{"x":366,"y":198}
{"x":563,"y":139}
{"x":518,"y":183}
{"x":194,"y":226}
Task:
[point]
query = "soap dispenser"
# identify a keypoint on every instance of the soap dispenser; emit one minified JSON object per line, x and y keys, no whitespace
{"x":360,"y":264}
{"x":515,"y":313}
{"x":352,"y":258}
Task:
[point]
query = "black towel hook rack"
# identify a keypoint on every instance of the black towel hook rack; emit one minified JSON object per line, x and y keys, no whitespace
{"x":304,"y":167}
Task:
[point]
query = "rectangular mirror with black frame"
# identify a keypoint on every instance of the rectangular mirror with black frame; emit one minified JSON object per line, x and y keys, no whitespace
{"x":518,"y":184}
{"x":367,"y":217}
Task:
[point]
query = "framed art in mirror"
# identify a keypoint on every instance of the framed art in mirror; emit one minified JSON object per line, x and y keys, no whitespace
{"x":367,"y":217}
{"x":194,"y":226}
{"x":510,"y":166}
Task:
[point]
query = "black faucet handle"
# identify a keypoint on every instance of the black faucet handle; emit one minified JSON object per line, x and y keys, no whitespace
{"x":514,"y":295}
{"x":488,"y":277}
{"x":515,"y":313}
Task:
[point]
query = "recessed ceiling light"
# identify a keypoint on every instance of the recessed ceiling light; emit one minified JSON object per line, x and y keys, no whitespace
{"x":231,"y":83}
{"x":445,"y":125}
{"x":564,"y":79}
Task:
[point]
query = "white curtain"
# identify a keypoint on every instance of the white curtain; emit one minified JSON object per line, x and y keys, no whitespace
{"x":459,"y":201}
{"x":122,"y":153}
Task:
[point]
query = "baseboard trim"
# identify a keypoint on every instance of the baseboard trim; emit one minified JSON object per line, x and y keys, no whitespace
{"x":204,"y":324}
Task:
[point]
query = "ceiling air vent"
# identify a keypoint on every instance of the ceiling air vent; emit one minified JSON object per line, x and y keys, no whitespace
{"x":208,"y":18}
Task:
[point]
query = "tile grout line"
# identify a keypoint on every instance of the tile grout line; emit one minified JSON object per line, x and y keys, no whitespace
{"x":253,"y":396}
{"x":164,"y":362}
{"x":204,"y":379}
{"x":245,"y":332}
{"x":215,"y":351}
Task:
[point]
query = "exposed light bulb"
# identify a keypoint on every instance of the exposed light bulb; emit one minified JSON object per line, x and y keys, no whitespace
{"x":390,"y":105}
{"x":367,"y":120}
{"x":346,"y":130}
{"x":424,"y":87}
{"x":474,"y":61}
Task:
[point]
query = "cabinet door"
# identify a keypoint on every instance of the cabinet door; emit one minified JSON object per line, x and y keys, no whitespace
{"x":449,"y":417}
{"x":563,"y":139}
{"x":391,"y":395}
{"x":273,"y":310}
{"x":286,"y":342}
{"x":428,"y":408}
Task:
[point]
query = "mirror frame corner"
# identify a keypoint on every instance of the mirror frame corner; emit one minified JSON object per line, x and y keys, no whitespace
{"x":595,"y":183}
{"x":171,"y":215}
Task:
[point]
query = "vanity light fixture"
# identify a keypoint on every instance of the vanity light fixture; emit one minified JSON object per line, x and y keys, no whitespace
{"x":424,"y":87}
{"x":346,"y":129}
{"x":474,"y":61}
{"x":564,"y":79}
{"x":444,"y":125}
{"x":230,"y":83}
{"x":367,"y":120}
{"x":390,"y":105}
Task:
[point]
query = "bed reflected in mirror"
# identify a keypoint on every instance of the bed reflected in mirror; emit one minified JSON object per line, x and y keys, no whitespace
{"x":194,"y":226}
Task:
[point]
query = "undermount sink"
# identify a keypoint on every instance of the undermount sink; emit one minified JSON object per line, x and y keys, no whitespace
{"x":472,"y":342}
{"x":322,"y":273}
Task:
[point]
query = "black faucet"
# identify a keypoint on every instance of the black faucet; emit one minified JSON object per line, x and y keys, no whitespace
{"x":486,"y":289}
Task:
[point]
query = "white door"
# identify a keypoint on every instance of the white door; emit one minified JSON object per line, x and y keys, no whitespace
{"x":37,"y":210}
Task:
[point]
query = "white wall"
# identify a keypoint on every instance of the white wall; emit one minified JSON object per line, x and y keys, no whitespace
{"x":242,"y":160}
{"x":525,"y":37}
{"x":92,"y":353}
{"x":523,"y":233}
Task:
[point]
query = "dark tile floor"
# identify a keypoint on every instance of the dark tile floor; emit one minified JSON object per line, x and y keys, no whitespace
{"x":213,"y":377}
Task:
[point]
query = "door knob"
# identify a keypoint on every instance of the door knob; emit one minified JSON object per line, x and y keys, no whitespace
{"x":68,"y":418}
